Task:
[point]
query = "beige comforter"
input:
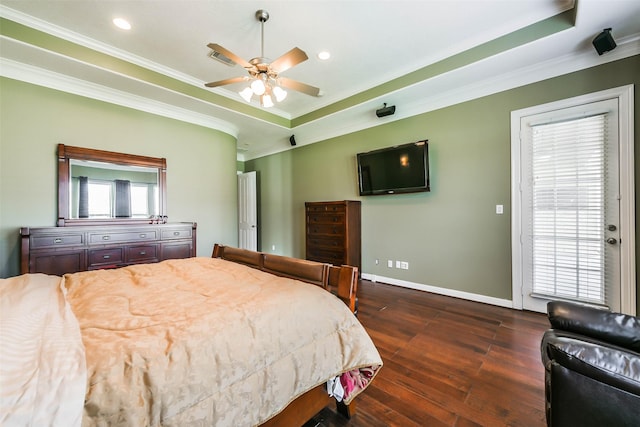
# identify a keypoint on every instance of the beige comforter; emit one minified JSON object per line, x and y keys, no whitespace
{"x":204,"y":341}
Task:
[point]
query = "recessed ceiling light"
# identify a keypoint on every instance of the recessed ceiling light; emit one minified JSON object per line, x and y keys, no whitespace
{"x":122,"y":23}
{"x":324,"y":55}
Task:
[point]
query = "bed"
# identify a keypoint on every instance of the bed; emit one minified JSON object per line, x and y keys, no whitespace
{"x":239,"y":339}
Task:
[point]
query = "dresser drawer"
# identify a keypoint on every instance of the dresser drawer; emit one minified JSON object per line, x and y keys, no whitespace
{"x":316,"y":208}
{"x":105,"y":256}
{"x":325,"y":218}
{"x":184,"y":233}
{"x":54,"y":241}
{"x":335,"y":257}
{"x":126,"y":236}
{"x":176,"y":250}
{"x":142,"y":253}
{"x":327,"y":242}
{"x":57,"y":262}
{"x":325,"y":229}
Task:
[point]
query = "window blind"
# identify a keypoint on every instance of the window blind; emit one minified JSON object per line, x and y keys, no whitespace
{"x":568,"y":209}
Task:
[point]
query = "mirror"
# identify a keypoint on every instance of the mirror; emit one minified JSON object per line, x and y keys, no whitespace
{"x":104,"y":187}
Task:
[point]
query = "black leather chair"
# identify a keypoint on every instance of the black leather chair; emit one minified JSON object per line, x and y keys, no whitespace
{"x":592,"y":367}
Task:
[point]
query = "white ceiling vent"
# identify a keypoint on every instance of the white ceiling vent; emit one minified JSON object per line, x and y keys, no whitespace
{"x":214,"y":54}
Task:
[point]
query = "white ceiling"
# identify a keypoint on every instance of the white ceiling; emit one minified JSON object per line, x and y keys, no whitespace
{"x":371,"y":42}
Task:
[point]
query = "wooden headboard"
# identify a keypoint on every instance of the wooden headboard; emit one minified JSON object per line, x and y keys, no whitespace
{"x":342,"y":280}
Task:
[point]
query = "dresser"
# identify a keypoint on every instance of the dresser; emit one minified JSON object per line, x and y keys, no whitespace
{"x":333,"y":232}
{"x":60,"y":250}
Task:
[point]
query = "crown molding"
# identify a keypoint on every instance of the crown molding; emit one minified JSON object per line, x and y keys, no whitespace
{"x":41,"y":77}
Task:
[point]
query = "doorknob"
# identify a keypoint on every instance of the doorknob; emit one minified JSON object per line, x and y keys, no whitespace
{"x":612,"y":241}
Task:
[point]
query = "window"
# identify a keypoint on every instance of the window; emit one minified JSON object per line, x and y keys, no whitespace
{"x":567,"y":206}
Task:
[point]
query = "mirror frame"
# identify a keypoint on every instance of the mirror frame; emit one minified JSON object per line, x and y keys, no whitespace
{"x":66,"y":153}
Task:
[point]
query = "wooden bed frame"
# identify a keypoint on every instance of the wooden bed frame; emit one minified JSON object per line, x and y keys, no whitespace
{"x":342,"y":281}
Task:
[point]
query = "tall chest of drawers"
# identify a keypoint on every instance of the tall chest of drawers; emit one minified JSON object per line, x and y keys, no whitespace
{"x":333,"y":232}
{"x":60,"y":250}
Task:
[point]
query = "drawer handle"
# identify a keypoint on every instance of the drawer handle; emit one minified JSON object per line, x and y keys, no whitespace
{"x":176,"y":233}
{"x":142,"y":235}
{"x":142,"y":253}
{"x":106,"y":237}
{"x":57,"y":240}
{"x":106,"y":256}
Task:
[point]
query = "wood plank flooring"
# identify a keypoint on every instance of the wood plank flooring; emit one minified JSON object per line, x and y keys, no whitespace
{"x":447,"y":362}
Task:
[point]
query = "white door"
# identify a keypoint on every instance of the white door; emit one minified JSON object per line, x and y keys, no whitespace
{"x":571,"y":229}
{"x":247,"y":211}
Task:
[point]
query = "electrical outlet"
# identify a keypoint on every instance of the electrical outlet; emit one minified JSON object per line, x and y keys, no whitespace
{"x":389,"y":263}
{"x":397,"y":264}
{"x":377,"y":261}
{"x":273,"y":247}
{"x":499,"y":209}
{"x":404,"y":265}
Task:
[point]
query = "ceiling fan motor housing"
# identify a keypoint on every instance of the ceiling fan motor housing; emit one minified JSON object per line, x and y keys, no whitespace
{"x":262,"y":15}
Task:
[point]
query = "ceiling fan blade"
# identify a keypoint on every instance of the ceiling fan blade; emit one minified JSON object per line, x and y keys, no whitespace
{"x":232,"y":56}
{"x":298,"y":86}
{"x":226,"y":82}
{"x":288,"y":60}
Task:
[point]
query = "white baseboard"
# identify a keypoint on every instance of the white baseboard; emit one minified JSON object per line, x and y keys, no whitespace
{"x":440,"y":291}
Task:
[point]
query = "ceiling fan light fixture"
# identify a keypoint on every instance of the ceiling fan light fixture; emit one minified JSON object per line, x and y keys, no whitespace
{"x":258,"y":87}
{"x":246,"y":94}
{"x":279,"y":93}
{"x":266,"y":101}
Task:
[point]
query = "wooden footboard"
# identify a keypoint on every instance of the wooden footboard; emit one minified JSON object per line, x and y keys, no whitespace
{"x":342,"y":281}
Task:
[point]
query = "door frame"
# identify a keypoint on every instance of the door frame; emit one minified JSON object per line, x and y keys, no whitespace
{"x":248,"y":209}
{"x":624,"y":95}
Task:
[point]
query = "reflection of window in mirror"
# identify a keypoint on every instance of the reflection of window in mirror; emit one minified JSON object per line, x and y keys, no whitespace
{"x":99,"y":199}
{"x":144,"y":200}
{"x":108,"y":185}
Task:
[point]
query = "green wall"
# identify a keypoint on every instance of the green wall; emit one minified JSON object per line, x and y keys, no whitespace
{"x":201,"y":162}
{"x":451,"y":236}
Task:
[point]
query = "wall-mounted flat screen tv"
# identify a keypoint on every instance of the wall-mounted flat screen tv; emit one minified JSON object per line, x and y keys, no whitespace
{"x":392,"y":170}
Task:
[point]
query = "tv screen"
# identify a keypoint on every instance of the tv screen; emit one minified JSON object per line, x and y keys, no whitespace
{"x":399,"y":169}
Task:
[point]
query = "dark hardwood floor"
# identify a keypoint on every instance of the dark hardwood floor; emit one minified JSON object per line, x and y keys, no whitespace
{"x":447,"y":362}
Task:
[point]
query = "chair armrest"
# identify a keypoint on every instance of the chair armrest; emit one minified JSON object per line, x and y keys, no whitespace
{"x":615,"y":328}
{"x":609,"y":364}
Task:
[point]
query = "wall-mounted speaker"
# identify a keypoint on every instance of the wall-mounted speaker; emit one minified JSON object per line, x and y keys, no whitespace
{"x":386,"y":111}
{"x":604,"y":41}
{"x":292,"y":140}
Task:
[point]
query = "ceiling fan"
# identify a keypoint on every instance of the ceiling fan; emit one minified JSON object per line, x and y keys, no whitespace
{"x":264,"y":76}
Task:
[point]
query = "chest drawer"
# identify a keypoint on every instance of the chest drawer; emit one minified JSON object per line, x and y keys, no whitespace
{"x":327,"y":242}
{"x":53,"y":241}
{"x":335,"y":257}
{"x":127,"y":236}
{"x":325,"y":218}
{"x":325,"y":229}
{"x":105,"y":256}
{"x":140,"y":253}
{"x":176,"y":234}
{"x":329,"y":208}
